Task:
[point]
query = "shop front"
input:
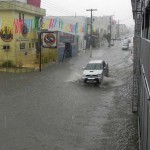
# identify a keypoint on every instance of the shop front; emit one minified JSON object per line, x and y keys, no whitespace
{"x":59,"y":45}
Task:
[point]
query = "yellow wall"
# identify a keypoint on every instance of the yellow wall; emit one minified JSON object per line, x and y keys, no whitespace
{"x":6,"y":19}
{"x":15,"y":54}
{"x":49,"y":55}
{"x":27,"y":57}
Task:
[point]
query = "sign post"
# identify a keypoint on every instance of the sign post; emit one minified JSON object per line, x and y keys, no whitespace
{"x":40,"y":52}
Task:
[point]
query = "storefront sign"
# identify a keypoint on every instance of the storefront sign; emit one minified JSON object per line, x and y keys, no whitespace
{"x":65,"y":37}
{"x":49,"y":40}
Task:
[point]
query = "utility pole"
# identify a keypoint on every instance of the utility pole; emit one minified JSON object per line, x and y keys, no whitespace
{"x":118,"y":29}
{"x":110,"y":28}
{"x":91,"y":33}
{"x":40,"y":34}
{"x":40,"y":63}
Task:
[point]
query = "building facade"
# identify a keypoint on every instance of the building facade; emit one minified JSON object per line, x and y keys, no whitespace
{"x":100,"y":26}
{"x":19,"y":24}
{"x":141,"y":70}
{"x":75,"y":25}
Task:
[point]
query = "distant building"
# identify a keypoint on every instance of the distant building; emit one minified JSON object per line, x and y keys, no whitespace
{"x":36,"y":3}
{"x":123,"y":30}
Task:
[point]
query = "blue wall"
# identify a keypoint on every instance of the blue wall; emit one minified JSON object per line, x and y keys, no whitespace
{"x":63,"y":38}
{"x":74,"y":49}
{"x":61,"y":49}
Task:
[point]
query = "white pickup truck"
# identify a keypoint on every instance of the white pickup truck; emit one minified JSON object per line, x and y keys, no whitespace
{"x":95,"y":71}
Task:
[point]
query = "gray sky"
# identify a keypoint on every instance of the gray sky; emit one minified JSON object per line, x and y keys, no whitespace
{"x":121,"y":9}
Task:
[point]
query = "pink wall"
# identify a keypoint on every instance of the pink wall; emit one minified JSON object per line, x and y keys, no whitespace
{"x":36,"y":3}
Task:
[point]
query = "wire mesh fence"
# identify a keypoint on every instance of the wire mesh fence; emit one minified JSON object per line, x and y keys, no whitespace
{"x":144,"y":96}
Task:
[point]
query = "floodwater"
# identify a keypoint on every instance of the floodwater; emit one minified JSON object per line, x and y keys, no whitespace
{"x":53,"y":110}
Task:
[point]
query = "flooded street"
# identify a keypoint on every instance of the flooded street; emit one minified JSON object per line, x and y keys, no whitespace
{"x":54,"y":110}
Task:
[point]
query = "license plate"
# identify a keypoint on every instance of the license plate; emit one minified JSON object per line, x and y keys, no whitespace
{"x":91,"y":80}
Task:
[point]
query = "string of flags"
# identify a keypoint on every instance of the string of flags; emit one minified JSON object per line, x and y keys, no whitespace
{"x":34,"y":25}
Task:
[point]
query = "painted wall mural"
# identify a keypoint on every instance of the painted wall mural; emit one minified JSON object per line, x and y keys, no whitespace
{"x":6,"y":33}
{"x":14,"y":26}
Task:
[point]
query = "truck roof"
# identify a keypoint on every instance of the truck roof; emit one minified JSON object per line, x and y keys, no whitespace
{"x":96,"y":61}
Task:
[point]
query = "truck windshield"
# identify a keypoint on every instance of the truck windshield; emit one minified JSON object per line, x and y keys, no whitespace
{"x":93,"y":66}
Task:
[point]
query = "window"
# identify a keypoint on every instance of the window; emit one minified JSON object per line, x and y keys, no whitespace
{"x":22,"y":46}
{"x":32,"y":45}
{"x":5,"y":47}
{"x":146,"y":24}
{"x":29,"y":45}
{"x":23,"y":17}
{"x":19,"y":16}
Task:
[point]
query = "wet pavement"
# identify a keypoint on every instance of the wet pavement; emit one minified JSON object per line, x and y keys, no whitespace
{"x":53,"y":110}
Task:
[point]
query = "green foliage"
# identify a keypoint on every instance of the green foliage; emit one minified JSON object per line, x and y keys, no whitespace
{"x":108,"y":37}
{"x":20,"y":64}
{"x":7,"y":63}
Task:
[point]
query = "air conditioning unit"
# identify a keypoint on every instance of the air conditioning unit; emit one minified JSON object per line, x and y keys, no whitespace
{"x":6,"y":47}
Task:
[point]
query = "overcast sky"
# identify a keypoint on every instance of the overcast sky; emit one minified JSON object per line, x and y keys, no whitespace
{"x":121,"y":9}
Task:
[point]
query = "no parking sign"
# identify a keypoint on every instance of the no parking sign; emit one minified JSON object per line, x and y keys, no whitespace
{"x":49,"y":40}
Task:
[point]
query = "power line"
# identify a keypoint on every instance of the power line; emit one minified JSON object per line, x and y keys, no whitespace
{"x":60,"y":7}
{"x":57,"y":8}
{"x":61,"y":10}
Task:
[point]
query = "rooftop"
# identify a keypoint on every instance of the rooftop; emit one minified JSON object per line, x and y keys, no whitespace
{"x":21,"y":7}
{"x":96,"y":61}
